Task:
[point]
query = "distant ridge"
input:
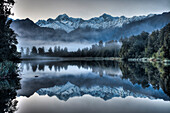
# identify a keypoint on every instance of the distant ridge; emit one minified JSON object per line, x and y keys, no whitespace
{"x":104,"y":21}
{"x":105,"y":27}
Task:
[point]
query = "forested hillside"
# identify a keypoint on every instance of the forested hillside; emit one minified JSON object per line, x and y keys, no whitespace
{"x":155,"y":45}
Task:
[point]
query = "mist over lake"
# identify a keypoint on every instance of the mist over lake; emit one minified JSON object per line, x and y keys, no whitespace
{"x":84,"y":56}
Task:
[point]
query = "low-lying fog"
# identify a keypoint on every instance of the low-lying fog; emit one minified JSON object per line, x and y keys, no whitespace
{"x":72,"y":46}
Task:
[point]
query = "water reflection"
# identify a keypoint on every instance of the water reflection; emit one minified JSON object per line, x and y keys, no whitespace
{"x":104,"y":79}
{"x":96,"y":66}
{"x":147,"y":74}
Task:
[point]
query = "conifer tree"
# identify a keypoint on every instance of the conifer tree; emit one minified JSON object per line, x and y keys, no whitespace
{"x":34,"y":50}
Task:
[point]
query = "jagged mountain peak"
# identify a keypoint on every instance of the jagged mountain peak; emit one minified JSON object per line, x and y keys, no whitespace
{"x":26,"y":21}
{"x":89,"y":30}
{"x":105,"y":15}
{"x":62,"y":17}
{"x":105,"y":21}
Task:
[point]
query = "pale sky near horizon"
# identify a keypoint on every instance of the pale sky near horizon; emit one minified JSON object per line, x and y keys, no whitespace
{"x":86,"y":9}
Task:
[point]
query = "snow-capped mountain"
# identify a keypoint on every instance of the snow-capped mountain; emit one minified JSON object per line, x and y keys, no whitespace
{"x":105,"y":27}
{"x":64,"y":22}
{"x":70,"y":90}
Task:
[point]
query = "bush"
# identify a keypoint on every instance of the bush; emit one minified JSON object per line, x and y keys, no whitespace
{"x":8,"y":69}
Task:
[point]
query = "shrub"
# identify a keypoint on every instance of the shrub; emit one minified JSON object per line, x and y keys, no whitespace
{"x":8,"y":69}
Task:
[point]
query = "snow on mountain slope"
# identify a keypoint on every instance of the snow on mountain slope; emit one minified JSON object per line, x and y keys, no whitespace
{"x":64,"y":22}
{"x":70,"y":90}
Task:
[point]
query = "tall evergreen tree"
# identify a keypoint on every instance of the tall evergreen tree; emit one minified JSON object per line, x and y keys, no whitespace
{"x":22,"y":51}
{"x":27,"y":51}
{"x":41,"y":50}
{"x":155,"y":45}
{"x":8,"y":41}
{"x":34,"y":50}
{"x":50,"y":50}
{"x":55,"y":49}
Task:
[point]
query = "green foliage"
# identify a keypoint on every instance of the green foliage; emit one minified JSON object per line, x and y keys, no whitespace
{"x":8,"y":41}
{"x":134,"y":47}
{"x":9,"y":81}
{"x":155,"y":45}
{"x":8,"y":69}
{"x":147,"y":73}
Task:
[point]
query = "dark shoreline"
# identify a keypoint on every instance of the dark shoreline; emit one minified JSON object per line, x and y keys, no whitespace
{"x":95,"y":59}
{"x":71,"y":58}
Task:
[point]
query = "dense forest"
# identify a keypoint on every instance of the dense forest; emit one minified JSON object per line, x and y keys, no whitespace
{"x":147,"y":45}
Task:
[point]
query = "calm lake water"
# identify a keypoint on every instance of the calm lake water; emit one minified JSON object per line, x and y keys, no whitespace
{"x":93,"y":87}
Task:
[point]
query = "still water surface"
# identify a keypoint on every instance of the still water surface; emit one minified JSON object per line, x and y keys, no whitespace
{"x":93,"y":87}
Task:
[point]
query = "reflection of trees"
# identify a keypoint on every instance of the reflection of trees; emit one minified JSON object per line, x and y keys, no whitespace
{"x":34,"y":67}
{"x":138,"y":73}
{"x":50,"y":66}
{"x":100,"y":67}
{"x":28,"y":67}
{"x":145,"y":74}
{"x":41,"y":67}
{"x":165,"y":79}
{"x":135,"y":73}
{"x":8,"y":87}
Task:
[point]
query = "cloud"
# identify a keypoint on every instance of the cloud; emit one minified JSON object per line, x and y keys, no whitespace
{"x":43,"y":9}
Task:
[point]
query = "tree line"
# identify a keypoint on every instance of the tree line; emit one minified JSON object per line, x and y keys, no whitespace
{"x":110,"y":49}
{"x":154,"y":45}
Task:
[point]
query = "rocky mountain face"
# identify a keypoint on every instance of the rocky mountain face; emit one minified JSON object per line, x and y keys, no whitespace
{"x":69,"y":24}
{"x":105,"y":27}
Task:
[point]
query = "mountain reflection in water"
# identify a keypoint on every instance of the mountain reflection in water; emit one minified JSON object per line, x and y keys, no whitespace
{"x":87,"y":86}
{"x":104,"y":79}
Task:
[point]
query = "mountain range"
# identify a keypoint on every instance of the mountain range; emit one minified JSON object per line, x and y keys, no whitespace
{"x":105,"y":27}
{"x":105,"y":21}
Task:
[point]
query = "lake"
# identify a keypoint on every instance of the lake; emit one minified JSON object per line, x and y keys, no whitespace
{"x":92,"y":87}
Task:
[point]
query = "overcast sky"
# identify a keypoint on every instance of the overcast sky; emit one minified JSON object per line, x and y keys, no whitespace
{"x":44,"y":9}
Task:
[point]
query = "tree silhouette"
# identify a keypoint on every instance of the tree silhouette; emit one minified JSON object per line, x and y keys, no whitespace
{"x":34,"y":50}
{"x":55,"y":49}
{"x":50,"y":50}
{"x":27,"y":51}
{"x":22,"y":51}
{"x":8,"y":41}
{"x":41,"y":51}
